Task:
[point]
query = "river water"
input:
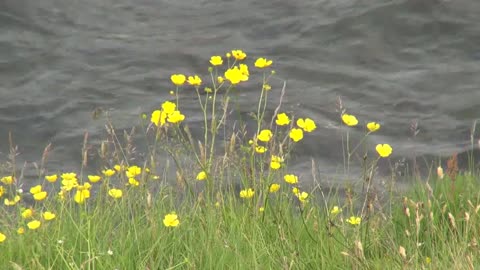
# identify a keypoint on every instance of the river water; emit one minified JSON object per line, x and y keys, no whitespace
{"x":390,"y":61}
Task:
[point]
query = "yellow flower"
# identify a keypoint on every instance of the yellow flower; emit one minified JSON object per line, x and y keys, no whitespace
{"x":118,"y":167}
{"x":51,"y":178}
{"x":247,"y":193}
{"x":168,"y":107}
{"x":133,"y":171}
{"x":276,"y":162}
{"x":265,"y":135}
{"x":81,"y":195}
{"x":7,"y":180}
{"x":274,"y":188}
{"x":115,"y":193}
{"x":349,"y":120}
{"x":94,"y":178}
{"x":21,"y":230}
{"x":262,"y":63}
{"x":302,"y":196}
{"x":307,"y":124}
{"x":175,"y":117}
{"x":266,"y":87}
{"x":108,"y":172}
{"x":384,"y":150}
{"x":201,"y":176}
{"x":178,"y":79}
{"x":48,"y":215}
{"x":69,"y":176}
{"x":354,"y":220}
{"x":15,"y":200}
{"x":373,"y":126}
{"x":36,"y":189}
{"x":2,"y":237}
{"x":27,"y":213}
{"x":132,"y":181}
{"x":261,"y":209}
{"x":228,"y":55}
{"x":220,"y":79}
{"x":260,"y":149}
{"x":194,"y":80}
{"x":171,"y":220}
{"x":296,"y":134}
{"x":40,"y":196}
{"x":428,"y":260}
{"x":235,"y":75}
{"x":158,"y":117}
{"x":282,"y":119}
{"x":216,"y":60}
{"x":291,"y":179}
{"x":2,"y":191}
{"x":244,"y":69}
{"x":208,"y":90}
{"x":69,"y":184}
{"x":84,"y":186}
{"x":34,"y":224}
{"x":335,"y":210}
{"x":295,"y":191}
{"x":239,"y":54}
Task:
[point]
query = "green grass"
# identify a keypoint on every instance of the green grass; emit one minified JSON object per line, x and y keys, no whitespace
{"x":433,"y":225}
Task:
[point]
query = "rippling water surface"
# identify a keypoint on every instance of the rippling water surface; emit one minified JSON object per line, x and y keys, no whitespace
{"x":390,"y":61}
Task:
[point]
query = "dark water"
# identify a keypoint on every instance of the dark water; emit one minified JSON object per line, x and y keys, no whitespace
{"x":390,"y":61}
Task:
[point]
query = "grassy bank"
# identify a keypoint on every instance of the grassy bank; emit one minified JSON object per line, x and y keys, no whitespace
{"x":227,"y":200}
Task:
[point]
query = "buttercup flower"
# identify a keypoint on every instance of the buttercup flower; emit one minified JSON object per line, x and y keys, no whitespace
{"x":265,"y":135}
{"x":2,"y":237}
{"x":194,"y":80}
{"x":69,"y":176}
{"x":168,"y":107}
{"x":7,"y":180}
{"x":133,"y":171}
{"x":262,"y":63}
{"x":118,"y":167}
{"x":34,"y":224}
{"x":239,"y":54}
{"x":384,"y":150}
{"x":133,"y":182}
{"x":274,"y":188}
{"x":296,"y":134}
{"x":291,"y":179}
{"x":307,"y":124}
{"x":266,"y":87}
{"x":349,"y":120}
{"x":354,"y":220}
{"x":247,"y":193}
{"x":51,"y":178}
{"x":234,"y":75}
{"x":171,"y":220}
{"x":201,"y":176}
{"x":302,"y":196}
{"x":282,"y":119}
{"x":108,"y":172}
{"x":27,"y":213}
{"x":94,"y":178}
{"x":220,"y":79}
{"x":2,"y":191}
{"x":21,"y":230}
{"x":216,"y":60}
{"x":115,"y":193}
{"x":260,"y":149}
{"x":81,"y":195}
{"x":36,"y":189}
{"x":158,"y":118}
{"x":15,"y":200}
{"x":40,"y":196}
{"x":335,"y":210}
{"x":175,"y":117}
{"x":178,"y":79}
{"x":276,"y":162}
{"x":244,"y":69}
{"x":295,"y":191}
{"x":373,"y":126}
{"x":48,"y":215}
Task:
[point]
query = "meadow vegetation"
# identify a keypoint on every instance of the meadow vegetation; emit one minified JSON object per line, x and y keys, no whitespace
{"x":227,"y":199}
